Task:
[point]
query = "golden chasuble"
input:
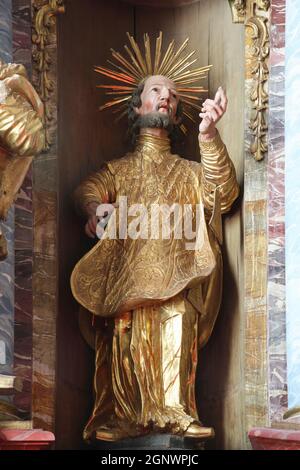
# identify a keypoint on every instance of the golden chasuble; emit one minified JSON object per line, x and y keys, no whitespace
{"x":118,"y":275}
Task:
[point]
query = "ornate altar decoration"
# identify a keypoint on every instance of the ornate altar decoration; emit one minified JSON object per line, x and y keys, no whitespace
{"x":255,"y":15}
{"x":52,"y":370}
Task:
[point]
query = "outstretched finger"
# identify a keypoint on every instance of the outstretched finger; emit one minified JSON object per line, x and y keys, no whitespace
{"x":208,"y":101}
{"x":207,"y":118}
{"x":214,"y":106}
{"x":215,"y":116}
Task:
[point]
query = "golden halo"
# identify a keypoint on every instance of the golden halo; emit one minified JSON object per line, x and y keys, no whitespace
{"x":175,"y":65}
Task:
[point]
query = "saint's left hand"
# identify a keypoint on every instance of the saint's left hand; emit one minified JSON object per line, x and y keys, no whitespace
{"x":211,"y":113}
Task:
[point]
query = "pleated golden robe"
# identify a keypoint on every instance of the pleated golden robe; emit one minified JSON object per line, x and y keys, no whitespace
{"x":159,"y":299}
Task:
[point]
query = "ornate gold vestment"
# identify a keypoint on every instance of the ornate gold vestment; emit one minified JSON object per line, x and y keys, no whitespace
{"x":162,"y":299}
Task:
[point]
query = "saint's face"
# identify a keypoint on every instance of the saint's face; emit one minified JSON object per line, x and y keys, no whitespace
{"x":159,"y":96}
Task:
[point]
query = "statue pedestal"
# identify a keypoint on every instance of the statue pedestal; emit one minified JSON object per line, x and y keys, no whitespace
{"x":153,"y":442}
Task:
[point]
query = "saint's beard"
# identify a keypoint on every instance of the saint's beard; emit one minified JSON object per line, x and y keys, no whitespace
{"x":155,"y":120}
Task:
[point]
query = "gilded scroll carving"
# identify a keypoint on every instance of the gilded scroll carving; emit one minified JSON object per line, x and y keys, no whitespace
{"x":238,"y":10}
{"x":43,"y":58}
{"x":254,"y":14}
{"x":259,"y":97}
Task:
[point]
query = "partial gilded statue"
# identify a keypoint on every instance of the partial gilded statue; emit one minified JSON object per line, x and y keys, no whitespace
{"x":154,"y":298}
{"x":21,"y":134}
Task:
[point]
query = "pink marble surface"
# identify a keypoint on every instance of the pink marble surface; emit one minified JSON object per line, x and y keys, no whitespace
{"x":274,"y":439}
{"x":26,"y":435}
{"x":32,"y":439}
{"x":276,"y":216}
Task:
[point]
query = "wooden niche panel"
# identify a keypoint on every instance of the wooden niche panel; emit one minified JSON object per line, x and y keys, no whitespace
{"x":86,"y":138}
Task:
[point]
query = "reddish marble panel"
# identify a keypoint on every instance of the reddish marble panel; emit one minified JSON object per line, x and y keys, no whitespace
{"x":33,"y":439}
{"x":274,"y":439}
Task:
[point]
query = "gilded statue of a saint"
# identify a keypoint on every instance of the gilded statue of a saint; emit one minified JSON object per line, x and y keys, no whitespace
{"x":155,"y":299}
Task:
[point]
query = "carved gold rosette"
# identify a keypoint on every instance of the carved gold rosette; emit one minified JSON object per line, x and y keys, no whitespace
{"x":44,"y":59}
{"x":255,"y":15}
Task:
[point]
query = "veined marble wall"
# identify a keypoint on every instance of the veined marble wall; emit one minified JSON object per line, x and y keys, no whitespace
{"x":265,"y":351}
{"x":276,"y":217}
{"x":6,"y":30}
{"x":21,"y":17}
{"x":7,"y":266}
{"x":292,"y":193}
{"x":16,"y":270}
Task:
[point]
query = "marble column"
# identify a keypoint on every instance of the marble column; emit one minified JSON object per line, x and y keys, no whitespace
{"x":292,"y":195}
{"x":277,"y":381}
{"x":255,"y":259}
{"x":7,"y":266}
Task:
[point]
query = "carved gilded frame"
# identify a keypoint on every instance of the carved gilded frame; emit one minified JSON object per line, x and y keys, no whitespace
{"x":44,"y":19}
{"x":255,"y":15}
{"x":45,"y":216}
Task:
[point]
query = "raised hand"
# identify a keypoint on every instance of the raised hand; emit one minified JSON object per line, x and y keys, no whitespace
{"x":211,"y":113}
